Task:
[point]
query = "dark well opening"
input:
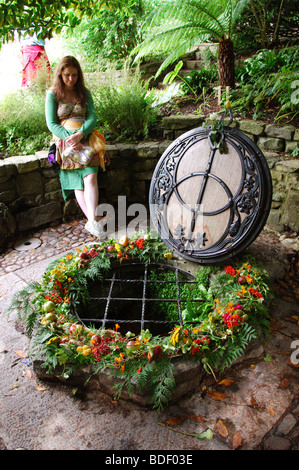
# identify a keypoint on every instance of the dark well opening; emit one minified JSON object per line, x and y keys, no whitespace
{"x":137,"y":297}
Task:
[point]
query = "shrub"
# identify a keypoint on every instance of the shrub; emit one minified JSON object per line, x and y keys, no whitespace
{"x":199,"y":79}
{"x":124,"y":106}
{"x":22,"y":122}
{"x":268,"y":79}
{"x":265,"y":62}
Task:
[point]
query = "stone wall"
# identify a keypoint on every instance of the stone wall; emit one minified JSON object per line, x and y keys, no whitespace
{"x":277,"y":144}
{"x":30,"y":194}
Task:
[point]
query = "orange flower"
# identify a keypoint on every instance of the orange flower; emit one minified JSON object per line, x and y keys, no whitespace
{"x":69,"y":256}
{"x":139,"y":370}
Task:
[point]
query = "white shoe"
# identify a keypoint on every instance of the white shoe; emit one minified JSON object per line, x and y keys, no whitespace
{"x":95,"y":229}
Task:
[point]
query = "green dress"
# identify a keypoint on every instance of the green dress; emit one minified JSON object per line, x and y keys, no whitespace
{"x":56,"y":111}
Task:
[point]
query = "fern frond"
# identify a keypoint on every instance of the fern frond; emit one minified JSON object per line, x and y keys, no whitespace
{"x":175,"y":27}
{"x":21,"y":304}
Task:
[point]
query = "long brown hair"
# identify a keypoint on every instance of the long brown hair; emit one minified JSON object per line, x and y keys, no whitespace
{"x":58,"y":86}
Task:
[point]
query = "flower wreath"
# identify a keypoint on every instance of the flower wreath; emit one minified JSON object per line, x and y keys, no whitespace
{"x":233,"y":312}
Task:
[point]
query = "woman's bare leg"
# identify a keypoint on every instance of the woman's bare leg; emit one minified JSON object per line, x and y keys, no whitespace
{"x":88,"y":201}
{"x":91,"y":195}
{"x":81,"y":200}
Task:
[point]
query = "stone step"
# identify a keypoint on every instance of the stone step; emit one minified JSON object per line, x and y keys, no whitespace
{"x":193,"y":64}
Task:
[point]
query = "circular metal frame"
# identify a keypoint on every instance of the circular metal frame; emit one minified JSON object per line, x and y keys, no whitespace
{"x":248,"y":206}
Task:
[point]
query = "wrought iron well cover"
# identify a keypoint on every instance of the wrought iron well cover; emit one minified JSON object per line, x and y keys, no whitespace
{"x":209,"y":205}
{"x":125,"y":295}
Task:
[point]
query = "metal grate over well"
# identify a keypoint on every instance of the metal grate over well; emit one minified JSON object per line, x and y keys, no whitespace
{"x":125,"y":296}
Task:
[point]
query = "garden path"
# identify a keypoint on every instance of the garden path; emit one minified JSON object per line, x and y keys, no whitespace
{"x":256,"y":407}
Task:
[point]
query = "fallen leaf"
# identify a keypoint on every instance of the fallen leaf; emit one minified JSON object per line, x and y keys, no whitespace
{"x":41,"y":389}
{"x":206,"y":435}
{"x":293,"y":319}
{"x":237,"y":440}
{"x":198,"y":418}
{"x":29,"y":374}
{"x":273,"y":325}
{"x":226,"y":382}
{"x":253,"y":401}
{"x":176,"y":420}
{"x":287,"y":298}
{"x":3,"y":294}
{"x":271,"y":411}
{"x":221,"y":428}
{"x":255,"y":404}
{"x":292,"y":364}
{"x":21,"y":353}
{"x":284,"y":384}
{"x":218,"y":395}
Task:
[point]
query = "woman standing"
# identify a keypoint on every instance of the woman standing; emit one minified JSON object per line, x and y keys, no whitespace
{"x":33,"y":59}
{"x":71,"y":117}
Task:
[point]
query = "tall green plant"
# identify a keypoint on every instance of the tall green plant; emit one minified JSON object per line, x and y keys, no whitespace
{"x":22,"y":122}
{"x":110,"y":35}
{"x":177,"y":26}
{"x":268,"y":79}
{"x":124,"y":105}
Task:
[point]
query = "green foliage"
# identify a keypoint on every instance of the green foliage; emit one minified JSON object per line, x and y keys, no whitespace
{"x":268,"y":79}
{"x":222,"y":357}
{"x":155,"y":378}
{"x":265,"y":62}
{"x":50,"y":16}
{"x":195,"y":81}
{"x":108,"y":36}
{"x":124,"y":106}
{"x":232,"y":312}
{"x":200,"y":79}
{"x":22,"y":122}
{"x":175,"y":27}
{"x":24,"y":307}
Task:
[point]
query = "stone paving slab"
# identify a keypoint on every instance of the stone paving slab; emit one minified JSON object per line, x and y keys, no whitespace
{"x":257,"y":409}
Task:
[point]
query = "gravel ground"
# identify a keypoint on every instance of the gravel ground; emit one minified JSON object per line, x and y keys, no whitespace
{"x":258,"y":408}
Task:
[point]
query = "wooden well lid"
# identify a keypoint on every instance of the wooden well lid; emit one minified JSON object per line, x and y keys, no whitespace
{"x":210,"y":194}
